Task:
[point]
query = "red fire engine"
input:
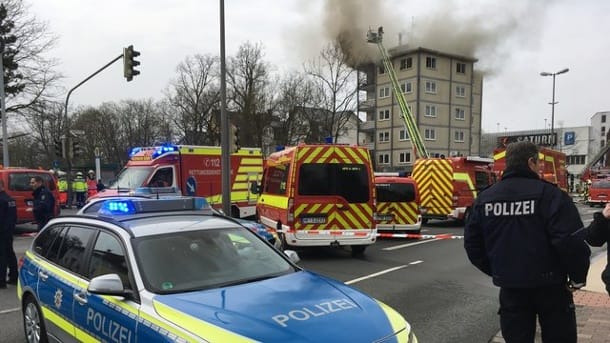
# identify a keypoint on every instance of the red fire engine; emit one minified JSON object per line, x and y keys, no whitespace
{"x":552,"y":164}
{"x":448,"y":186}
{"x":191,"y":170}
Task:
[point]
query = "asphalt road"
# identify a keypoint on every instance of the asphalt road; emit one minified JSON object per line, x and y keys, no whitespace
{"x":430,"y":282}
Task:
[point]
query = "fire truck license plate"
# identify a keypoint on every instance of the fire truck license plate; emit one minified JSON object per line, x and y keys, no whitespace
{"x":313,"y":220}
{"x":385,"y":217}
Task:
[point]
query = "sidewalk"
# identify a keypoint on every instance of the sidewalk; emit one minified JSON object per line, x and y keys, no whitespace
{"x":592,"y":308}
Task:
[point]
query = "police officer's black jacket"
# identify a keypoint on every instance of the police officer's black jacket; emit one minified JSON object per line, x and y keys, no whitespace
{"x":44,"y":204}
{"x":8,"y":214}
{"x":523,"y":233}
{"x":598,"y":233}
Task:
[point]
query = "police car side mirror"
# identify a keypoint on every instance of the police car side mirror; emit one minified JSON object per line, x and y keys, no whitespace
{"x":293,"y":256}
{"x":108,"y":284}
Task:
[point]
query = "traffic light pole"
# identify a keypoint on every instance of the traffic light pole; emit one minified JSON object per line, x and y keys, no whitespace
{"x":67,"y":126}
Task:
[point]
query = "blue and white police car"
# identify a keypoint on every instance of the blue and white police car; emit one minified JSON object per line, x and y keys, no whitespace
{"x":167,"y":270}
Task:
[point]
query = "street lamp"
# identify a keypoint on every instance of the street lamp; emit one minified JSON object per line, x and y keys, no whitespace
{"x":544,"y":73}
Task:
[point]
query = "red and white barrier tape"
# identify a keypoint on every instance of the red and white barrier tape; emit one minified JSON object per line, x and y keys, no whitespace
{"x":418,"y":236}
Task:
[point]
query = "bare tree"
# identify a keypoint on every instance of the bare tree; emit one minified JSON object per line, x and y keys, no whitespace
{"x":336,"y":83}
{"x":33,"y":79}
{"x":193,"y":100}
{"x":45,"y":120}
{"x":296,"y":95}
{"x":250,"y":93}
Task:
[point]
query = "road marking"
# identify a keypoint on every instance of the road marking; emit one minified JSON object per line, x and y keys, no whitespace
{"x":10,"y":310}
{"x":396,"y":247}
{"x":374,"y":274}
{"x":416,"y":262}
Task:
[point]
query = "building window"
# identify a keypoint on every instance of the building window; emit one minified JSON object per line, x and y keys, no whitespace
{"x":430,"y":62}
{"x":381,"y":70}
{"x":603,"y":131}
{"x":431,"y":87}
{"x":460,"y":68}
{"x":459,"y":114}
{"x":384,"y":115}
{"x":384,"y":158}
{"x":406,"y":87}
{"x":404,"y":157}
{"x":403,"y":135}
{"x":460,"y":91}
{"x":430,"y":135}
{"x":602,"y":143}
{"x":575,"y":159}
{"x":458,"y":136}
{"x":384,"y":92}
{"x":603,"y":118}
{"x":406,"y":63}
{"x":384,"y":137}
{"x":430,"y":111}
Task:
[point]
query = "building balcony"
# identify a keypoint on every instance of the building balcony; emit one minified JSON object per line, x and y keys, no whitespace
{"x":368,"y":125}
{"x":367,"y":105}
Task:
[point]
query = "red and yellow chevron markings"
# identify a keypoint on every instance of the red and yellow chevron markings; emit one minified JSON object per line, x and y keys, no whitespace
{"x":434,"y":179}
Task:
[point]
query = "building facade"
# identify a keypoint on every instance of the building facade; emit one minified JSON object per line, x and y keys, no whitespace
{"x":444,"y":93}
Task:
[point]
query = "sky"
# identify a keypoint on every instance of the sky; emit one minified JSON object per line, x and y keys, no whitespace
{"x":514,"y":41}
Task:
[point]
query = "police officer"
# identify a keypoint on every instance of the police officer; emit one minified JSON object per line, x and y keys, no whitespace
{"x":44,"y":202}
{"x":8,"y":220}
{"x":598,"y":234}
{"x":525,"y":233}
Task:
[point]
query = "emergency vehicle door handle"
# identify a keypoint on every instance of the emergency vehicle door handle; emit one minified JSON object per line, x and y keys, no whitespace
{"x":80,"y":297}
{"x":43,"y":276}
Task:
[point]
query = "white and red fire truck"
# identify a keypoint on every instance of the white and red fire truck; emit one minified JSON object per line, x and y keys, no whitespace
{"x":191,"y":170}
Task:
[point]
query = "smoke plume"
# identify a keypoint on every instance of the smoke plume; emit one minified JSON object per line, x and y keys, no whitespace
{"x":472,"y":28}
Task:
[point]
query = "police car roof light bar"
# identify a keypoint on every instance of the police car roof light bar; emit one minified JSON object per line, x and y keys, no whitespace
{"x":118,"y":207}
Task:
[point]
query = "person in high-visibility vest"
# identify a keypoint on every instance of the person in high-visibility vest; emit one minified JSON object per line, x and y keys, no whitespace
{"x":91,"y":183}
{"x":79,"y":186}
{"x":62,"y":187}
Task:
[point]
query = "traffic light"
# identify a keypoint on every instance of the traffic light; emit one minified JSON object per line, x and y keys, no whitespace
{"x":77,"y":150}
{"x":60,"y":148}
{"x":234,"y":143}
{"x":129,"y":62}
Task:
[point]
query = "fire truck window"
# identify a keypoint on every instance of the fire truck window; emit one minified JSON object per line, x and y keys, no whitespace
{"x":601,"y":184}
{"x":20,"y":182}
{"x":481,"y":179}
{"x":349,"y":181}
{"x":276,"y":179}
{"x":163,"y":178}
{"x":395,"y":192}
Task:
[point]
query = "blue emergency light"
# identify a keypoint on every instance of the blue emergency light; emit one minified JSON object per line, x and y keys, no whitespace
{"x":114,"y":207}
{"x":122,"y":207}
{"x":134,"y":151}
{"x":160,"y":150}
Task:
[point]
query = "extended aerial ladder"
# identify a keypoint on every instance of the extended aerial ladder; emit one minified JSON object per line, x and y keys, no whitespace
{"x":405,"y":111}
{"x":588,"y":172}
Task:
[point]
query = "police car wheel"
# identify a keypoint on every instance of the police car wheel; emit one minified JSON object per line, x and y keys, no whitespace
{"x":33,"y":324}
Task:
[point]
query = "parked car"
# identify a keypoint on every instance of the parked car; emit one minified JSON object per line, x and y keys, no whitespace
{"x":170,"y":270}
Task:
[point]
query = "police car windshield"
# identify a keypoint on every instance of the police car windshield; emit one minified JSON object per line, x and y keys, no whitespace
{"x":131,"y":178}
{"x":195,"y":260}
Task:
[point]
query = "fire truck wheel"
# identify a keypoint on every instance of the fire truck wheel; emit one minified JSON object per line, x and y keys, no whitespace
{"x":358,"y":250}
{"x":283,"y":244}
{"x":424,"y":221}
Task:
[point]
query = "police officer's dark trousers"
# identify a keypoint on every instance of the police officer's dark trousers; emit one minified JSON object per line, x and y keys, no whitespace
{"x":7,"y":258}
{"x":554,"y":306}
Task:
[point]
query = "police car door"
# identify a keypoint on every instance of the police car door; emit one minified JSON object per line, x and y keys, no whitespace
{"x":102,"y":317}
{"x":57,"y":285}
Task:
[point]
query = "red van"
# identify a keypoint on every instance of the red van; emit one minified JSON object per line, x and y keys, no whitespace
{"x":599,"y":192}
{"x":17,"y":185}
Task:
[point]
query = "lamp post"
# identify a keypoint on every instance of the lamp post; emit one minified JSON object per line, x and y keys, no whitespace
{"x":544,"y":73}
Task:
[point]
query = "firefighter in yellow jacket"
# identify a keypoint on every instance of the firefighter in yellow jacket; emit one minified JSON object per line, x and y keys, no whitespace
{"x":62,"y":187}
{"x":79,"y":187}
